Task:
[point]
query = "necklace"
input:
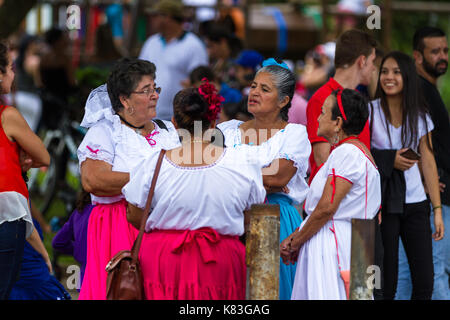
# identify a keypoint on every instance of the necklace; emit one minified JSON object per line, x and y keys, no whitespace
{"x":137,"y":129}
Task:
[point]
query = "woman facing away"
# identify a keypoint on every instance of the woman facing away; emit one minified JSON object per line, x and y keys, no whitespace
{"x":17,"y":142}
{"x":269,"y":101}
{"x":121,"y":131}
{"x":191,"y":249}
{"x":346,"y":186}
{"x":399,"y":121}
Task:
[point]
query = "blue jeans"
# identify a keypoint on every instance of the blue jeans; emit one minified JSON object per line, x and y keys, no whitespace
{"x":12,"y":242}
{"x":441,"y":263}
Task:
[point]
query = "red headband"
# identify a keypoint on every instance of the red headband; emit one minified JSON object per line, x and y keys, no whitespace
{"x":339,"y":102}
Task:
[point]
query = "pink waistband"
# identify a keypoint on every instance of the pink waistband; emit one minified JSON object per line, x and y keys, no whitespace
{"x":205,"y":238}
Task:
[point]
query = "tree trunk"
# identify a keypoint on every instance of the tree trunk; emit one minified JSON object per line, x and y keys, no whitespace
{"x":12,"y":13}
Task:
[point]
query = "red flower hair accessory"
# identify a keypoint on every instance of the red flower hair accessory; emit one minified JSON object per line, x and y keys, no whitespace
{"x":214,"y":100}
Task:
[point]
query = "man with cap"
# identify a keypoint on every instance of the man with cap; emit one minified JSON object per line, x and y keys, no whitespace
{"x":174,"y":51}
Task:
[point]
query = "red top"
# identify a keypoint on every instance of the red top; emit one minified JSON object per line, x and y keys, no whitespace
{"x":10,"y":169}
{"x":313,"y":111}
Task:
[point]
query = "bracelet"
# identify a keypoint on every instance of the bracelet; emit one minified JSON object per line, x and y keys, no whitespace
{"x":437,"y":207}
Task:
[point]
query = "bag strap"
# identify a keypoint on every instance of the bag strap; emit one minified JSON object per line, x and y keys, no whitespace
{"x":138,"y":241}
{"x":161,"y":124}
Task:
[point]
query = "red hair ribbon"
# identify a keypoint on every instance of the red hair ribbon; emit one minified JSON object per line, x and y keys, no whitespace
{"x":214,"y":100}
{"x":339,"y":102}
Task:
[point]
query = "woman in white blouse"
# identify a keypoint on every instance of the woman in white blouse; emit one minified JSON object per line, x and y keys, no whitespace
{"x":269,"y":101}
{"x":121,"y":132}
{"x":347,"y":186}
{"x":399,"y":121}
{"x":191,"y":249}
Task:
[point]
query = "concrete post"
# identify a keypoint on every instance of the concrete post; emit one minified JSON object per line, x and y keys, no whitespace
{"x":263,"y":252}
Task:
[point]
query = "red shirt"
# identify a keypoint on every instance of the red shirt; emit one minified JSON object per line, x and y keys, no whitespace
{"x":313,"y":111}
{"x":10,"y":170}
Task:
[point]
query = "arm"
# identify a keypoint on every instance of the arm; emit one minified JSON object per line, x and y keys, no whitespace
{"x":98,"y":178}
{"x":63,"y":240}
{"x":35,"y":241}
{"x":279,"y":173}
{"x":429,"y":169}
{"x":36,"y":214}
{"x":17,"y":128}
{"x":323,"y":212}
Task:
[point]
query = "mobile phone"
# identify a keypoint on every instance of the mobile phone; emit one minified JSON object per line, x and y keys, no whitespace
{"x":411,"y":154}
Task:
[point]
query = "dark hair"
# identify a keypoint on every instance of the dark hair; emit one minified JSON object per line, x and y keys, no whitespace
{"x":125,"y":77}
{"x":53,"y":35}
{"x":237,"y":110}
{"x":352,"y":44}
{"x":284,"y":80}
{"x":425,"y":32}
{"x":4,"y":56}
{"x":24,"y":44}
{"x":83,"y":199}
{"x":105,"y":46}
{"x":413,"y":102}
{"x":217,"y":32}
{"x":201,"y":72}
{"x":355,"y":108}
{"x":190,"y":106}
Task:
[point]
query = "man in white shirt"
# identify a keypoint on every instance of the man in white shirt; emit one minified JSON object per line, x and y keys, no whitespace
{"x":174,"y":51}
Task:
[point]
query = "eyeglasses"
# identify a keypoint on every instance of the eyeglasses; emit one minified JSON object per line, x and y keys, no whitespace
{"x":149,"y":92}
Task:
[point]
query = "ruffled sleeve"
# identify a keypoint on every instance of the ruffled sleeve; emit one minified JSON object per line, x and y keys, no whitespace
{"x":292,"y":143}
{"x":347,"y":163}
{"x":231,"y":133}
{"x":97,"y":144}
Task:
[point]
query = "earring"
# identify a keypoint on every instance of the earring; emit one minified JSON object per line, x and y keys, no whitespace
{"x":131,"y":110}
{"x":336,"y":138}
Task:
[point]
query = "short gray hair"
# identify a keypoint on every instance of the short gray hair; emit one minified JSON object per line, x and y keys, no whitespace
{"x":284,"y":80}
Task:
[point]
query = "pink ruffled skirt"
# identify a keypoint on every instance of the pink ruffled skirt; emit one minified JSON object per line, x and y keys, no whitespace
{"x":108,"y":233}
{"x":192,"y":265}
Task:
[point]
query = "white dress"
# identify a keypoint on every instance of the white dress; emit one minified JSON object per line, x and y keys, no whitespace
{"x":317,"y":276}
{"x":190,"y":198}
{"x":111,"y":141}
{"x":290,"y":143}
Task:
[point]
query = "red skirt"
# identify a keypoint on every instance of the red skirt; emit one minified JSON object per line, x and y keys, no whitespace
{"x":192,"y":265}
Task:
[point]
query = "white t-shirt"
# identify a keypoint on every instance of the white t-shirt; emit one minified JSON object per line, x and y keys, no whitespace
{"x":174,"y":62}
{"x":290,"y":143}
{"x":120,"y":146}
{"x":189,"y":198}
{"x":350,"y":163}
{"x":380,"y":140}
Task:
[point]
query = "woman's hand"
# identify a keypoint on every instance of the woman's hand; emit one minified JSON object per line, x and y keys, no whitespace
{"x":402,"y":163}
{"x":289,"y":249}
{"x":438,"y":225}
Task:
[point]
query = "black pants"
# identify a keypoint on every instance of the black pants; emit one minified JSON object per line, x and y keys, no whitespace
{"x":413,"y":226}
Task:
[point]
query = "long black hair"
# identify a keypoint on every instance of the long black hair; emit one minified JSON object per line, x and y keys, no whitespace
{"x":414,"y":106}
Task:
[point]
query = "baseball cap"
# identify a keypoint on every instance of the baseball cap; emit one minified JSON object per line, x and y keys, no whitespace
{"x":173,"y":8}
{"x":249,"y":59}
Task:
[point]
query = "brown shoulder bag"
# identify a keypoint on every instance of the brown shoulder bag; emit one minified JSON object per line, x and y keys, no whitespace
{"x":124,"y":281}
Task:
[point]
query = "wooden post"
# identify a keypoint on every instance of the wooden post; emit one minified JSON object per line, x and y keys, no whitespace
{"x":362,"y":256}
{"x":263,"y":252}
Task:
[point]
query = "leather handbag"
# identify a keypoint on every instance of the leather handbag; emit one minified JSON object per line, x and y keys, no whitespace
{"x":124,"y":280}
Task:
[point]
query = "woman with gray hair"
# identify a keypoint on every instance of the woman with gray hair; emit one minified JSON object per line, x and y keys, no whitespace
{"x":269,"y":101}
{"x":121,"y":132}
